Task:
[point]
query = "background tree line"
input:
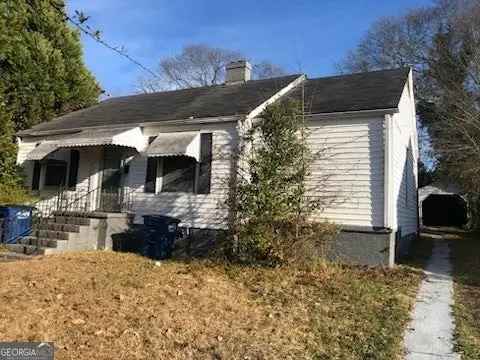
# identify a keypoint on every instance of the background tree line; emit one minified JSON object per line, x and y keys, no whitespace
{"x":442,"y":45}
{"x":199,"y":65}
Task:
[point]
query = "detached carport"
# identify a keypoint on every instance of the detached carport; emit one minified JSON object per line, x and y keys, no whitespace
{"x":442,"y":205}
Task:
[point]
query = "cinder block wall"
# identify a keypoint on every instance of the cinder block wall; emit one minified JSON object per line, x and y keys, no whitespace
{"x":364,"y":248}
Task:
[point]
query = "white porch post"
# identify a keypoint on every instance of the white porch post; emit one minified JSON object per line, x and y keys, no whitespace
{"x":89,"y":176}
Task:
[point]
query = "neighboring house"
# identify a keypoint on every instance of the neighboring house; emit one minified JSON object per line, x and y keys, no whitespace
{"x":172,"y":153}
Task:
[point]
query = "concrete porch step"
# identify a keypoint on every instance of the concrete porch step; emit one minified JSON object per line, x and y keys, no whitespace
{"x":51,"y":234}
{"x":91,"y":214}
{"x":74,"y":231}
{"x":13,"y":256}
{"x":72,"y":220}
{"x":52,"y":226}
{"x":25,"y":249}
{"x":42,"y":242}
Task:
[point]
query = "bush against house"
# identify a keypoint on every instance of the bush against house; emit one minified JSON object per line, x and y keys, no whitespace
{"x":270,"y":203}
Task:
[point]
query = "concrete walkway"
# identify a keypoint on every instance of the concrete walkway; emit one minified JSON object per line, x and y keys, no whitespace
{"x":430,"y":333}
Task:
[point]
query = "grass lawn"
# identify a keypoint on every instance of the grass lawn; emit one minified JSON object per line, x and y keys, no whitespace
{"x":103,"y":305}
{"x":466,"y":259}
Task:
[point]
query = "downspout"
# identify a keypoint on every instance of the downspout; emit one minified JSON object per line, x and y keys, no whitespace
{"x":388,"y":186}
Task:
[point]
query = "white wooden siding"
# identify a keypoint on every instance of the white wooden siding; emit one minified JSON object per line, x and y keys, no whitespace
{"x":195,"y":210}
{"x":348,"y":170}
{"x":404,"y":158}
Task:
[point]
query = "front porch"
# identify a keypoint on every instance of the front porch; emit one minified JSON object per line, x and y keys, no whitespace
{"x":90,"y":179}
{"x":84,"y":198}
{"x":91,"y":172}
{"x":90,"y":188}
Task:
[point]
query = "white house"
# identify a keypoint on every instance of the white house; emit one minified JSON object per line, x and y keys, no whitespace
{"x":172,"y":152}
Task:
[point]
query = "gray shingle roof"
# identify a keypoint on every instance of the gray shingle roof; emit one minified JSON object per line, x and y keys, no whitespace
{"x":363,"y":91}
{"x":203,"y":102}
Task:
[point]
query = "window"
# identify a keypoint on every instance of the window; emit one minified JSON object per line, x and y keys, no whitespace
{"x":151,"y":176}
{"x":56,"y":173}
{"x":205,"y":170}
{"x":178,"y":174}
{"x":73,"y":173}
{"x":36,"y":175}
{"x":182,"y":173}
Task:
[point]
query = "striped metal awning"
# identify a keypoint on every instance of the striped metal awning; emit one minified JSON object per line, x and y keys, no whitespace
{"x":175,"y":144}
{"x":130,"y":137}
{"x":42,"y":150}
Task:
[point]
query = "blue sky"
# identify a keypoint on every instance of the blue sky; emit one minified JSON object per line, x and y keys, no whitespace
{"x":301,"y":36}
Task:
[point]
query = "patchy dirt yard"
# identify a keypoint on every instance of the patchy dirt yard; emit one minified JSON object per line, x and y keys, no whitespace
{"x":103,"y":305}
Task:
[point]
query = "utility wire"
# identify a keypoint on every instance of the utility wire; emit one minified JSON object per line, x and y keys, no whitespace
{"x":79,"y":21}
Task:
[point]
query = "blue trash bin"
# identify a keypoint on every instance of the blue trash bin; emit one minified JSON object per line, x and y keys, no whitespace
{"x":160,"y":233}
{"x":17,"y":222}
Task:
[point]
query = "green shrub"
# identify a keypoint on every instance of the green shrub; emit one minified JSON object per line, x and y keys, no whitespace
{"x":14,"y":195}
{"x":286,"y":242}
{"x":269,"y":205}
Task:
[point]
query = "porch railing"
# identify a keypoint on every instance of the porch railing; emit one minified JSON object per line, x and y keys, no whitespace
{"x":98,"y":199}
{"x":65,"y":200}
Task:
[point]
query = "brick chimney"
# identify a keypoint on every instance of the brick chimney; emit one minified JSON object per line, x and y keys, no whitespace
{"x":238,"y":72}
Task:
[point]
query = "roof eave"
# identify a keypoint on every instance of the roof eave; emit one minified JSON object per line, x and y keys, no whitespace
{"x":189,"y":121}
{"x":193,"y":121}
{"x":354,"y":113}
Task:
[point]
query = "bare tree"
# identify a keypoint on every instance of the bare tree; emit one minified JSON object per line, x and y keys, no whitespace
{"x":199,"y":65}
{"x":456,"y":133}
{"x":266,"y":70}
{"x":412,"y":40}
{"x":407,"y":40}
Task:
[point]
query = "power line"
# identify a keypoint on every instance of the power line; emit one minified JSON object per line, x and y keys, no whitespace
{"x":79,"y":23}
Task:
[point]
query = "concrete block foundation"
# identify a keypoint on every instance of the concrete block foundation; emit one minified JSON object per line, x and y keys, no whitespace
{"x":353,"y":245}
{"x":364,"y":246}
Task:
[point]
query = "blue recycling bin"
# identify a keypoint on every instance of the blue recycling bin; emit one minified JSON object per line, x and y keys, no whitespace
{"x":17,"y":222}
{"x":160,"y":233}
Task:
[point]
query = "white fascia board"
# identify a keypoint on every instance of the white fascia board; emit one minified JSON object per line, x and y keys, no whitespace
{"x":352,"y":114}
{"x":389,"y":201}
{"x":194,"y":121}
{"x":260,"y":108}
{"x":414,"y":111}
{"x":244,"y":124}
